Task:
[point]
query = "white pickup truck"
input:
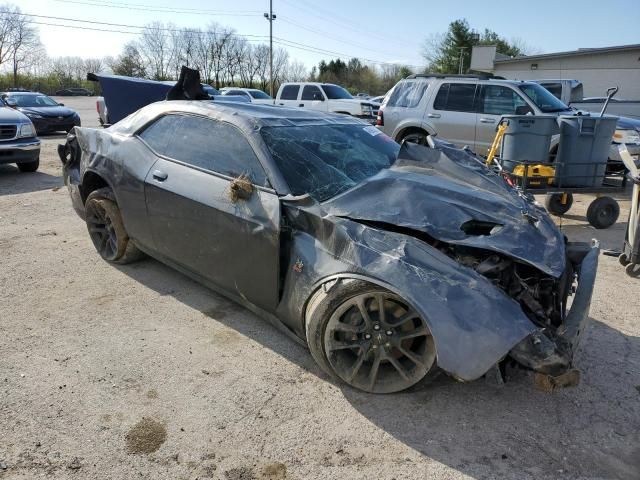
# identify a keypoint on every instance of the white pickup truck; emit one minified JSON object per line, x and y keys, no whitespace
{"x":325,"y":97}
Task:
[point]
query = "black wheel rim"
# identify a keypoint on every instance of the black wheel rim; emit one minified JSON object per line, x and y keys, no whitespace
{"x":377,"y":343}
{"x":102,"y":232}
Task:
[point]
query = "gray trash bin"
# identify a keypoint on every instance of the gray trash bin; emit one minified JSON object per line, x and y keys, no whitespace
{"x":527,"y":139}
{"x":583,"y":149}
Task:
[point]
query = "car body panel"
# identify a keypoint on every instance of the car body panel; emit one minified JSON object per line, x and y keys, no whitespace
{"x":371,"y":231}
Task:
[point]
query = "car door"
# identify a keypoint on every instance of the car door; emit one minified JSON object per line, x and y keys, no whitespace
{"x":289,"y":96}
{"x":313,"y":98}
{"x":198,"y":222}
{"x":453,"y":114}
{"x":494,"y":101}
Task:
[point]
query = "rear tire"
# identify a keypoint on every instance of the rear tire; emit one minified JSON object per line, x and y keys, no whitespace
{"x":415,"y":136}
{"x":29,"y":166}
{"x":106,"y":229}
{"x":369,"y":337}
{"x":603,"y":212}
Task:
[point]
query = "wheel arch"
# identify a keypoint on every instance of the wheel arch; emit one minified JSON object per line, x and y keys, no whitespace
{"x":411,"y":129}
{"x":317,"y":287}
{"x":92,"y":181}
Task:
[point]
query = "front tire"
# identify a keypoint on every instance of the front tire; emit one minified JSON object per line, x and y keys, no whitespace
{"x":29,"y":166}
{"x":369,"y":337}
{"x":106,"y":229}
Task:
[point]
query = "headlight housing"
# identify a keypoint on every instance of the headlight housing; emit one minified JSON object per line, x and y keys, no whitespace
{"x":33,"y":115}
{"x":27,"y":130}
{"x":626,"y":136}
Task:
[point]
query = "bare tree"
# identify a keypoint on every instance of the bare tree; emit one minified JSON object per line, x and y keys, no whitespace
{"x":24,"y":39}
{"x":296,"y":72}
{"x":155,"y":47}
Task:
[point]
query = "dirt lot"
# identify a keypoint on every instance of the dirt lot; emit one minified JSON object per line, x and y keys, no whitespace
{"x":138,"y":372}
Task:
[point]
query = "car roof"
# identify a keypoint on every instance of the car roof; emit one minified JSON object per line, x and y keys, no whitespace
{"x":247,"y":116}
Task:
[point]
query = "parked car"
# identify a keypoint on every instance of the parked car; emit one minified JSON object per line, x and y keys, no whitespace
{"x":465,"y":110}
{"x":18,"y":142}
{"x":324,"y":97}
{"x":570,"y":91}
{"x":385,"y":260}
{"x":45,"y":113}
{"x":252,"y":94}
{"x":74,"y":92}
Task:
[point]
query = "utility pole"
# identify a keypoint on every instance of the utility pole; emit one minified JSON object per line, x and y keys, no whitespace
{"x":461,"y":61}
{"x":271,"y":17}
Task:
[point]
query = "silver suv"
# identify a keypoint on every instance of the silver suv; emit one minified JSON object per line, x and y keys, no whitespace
{"x":462,"y":109}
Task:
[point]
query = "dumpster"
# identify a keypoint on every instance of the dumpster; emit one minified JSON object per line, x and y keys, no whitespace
{"x":583,"y":149}
{"x":526,"y":139}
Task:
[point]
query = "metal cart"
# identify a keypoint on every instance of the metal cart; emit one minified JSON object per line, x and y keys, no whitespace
{"x":630,"y":256}
{"x":602,"y":212}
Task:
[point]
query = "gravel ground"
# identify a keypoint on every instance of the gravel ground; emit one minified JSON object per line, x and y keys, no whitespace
{"x":138,"y":372}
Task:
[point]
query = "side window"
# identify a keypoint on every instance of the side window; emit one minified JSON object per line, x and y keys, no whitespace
{"x":208,"y":144}
{"x":407,"y":94}
{"x":311,"y":92}
{"x":499,"y":100}
{"x":158,"y":134}
{"x":455,"y":97}
{"x":555,"y":88}
{"x":290,"y":92}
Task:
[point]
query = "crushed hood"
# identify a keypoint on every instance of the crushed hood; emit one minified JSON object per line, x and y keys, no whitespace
{"x":443,"y":192}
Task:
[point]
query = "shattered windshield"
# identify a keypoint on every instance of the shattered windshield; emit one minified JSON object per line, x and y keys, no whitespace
{"x":326,"y":160}
{"x":334,"y":92}
{"x":543,"y":98}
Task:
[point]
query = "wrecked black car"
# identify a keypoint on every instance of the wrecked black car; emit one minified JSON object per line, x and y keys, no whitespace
{"x":388,"y":260}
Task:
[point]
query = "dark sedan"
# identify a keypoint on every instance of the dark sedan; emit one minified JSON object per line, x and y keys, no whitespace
{"x":385,"y":260}
{"x":45,"y":113}
{"x":74,"y":92}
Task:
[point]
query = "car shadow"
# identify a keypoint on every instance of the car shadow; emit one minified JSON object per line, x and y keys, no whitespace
{"x":481,"y":429}
{"x":13,"y":181}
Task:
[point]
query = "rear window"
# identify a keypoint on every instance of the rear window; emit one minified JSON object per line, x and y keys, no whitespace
{"x":290,"y":92}
{"x":455,"y":97}
{"x":407,"y":94}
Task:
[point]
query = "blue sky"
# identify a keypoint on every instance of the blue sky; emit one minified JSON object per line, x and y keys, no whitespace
{"x":381,"y":31}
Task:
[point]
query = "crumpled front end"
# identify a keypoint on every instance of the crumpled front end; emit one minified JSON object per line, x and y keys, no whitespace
{"x":550,"y":350}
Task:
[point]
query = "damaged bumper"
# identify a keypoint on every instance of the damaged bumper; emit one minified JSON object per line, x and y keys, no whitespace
{"x":551,"y":352}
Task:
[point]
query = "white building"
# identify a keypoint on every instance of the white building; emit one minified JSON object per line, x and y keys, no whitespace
{"x":597,"y":68}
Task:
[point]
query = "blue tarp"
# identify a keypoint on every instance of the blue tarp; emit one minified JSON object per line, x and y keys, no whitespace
{"x":124,"y":95}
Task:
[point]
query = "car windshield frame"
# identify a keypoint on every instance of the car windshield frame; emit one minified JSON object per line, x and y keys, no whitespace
{"x":325,"y":161}
{"x":542,"y":98}
{"x":32,"y":103}
{"x":335,"y":92}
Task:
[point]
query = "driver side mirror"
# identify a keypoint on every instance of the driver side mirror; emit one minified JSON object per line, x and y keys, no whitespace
{"x":11,"y":102}
{"x":61,"y":104}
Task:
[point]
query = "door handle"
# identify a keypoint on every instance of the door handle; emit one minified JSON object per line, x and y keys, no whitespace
{"x":433,"y":115}
{"x":301,"y":105}
{"x":487,"y":120}
{"x":159,"y":175}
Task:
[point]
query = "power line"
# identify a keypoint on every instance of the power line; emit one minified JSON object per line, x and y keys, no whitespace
{"x":151,"y":8}
{"x":251,"y":38}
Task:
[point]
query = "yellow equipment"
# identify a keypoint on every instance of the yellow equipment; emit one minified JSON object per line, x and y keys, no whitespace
{"x":496,"y":143}
{"x":537,"y":175}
